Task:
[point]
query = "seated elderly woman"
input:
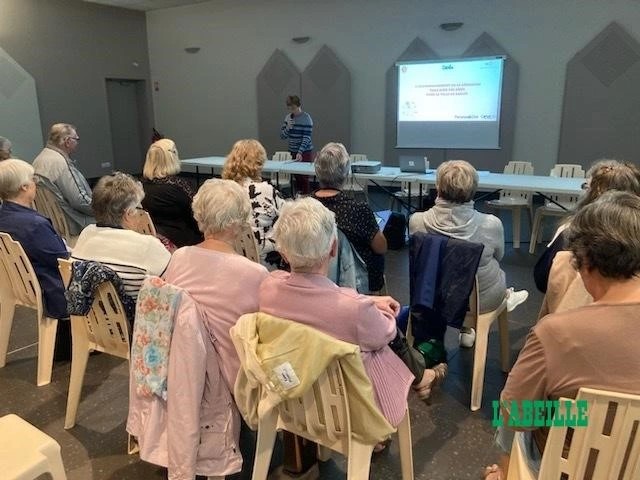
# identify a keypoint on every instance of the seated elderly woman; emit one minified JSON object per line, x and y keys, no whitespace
{"x":112,"y":241}
{"x":305,"y":236}
{"x":590,"y":346}
{"x":603,"y":176}
{"x":244,"y":165}
{"x":221,"y":208}
{"x":39,"y":240}
{"x":454,"y":215}
{"x":167,"y":197}
{"x":355,"y":219}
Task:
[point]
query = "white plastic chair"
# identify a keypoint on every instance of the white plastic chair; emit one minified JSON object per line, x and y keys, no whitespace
{"x":515,"y":200}
{"x":283,"y":179}
{"x":482,"y":323}
{"x":27,"y":453}
{"x":47,"y":204}
{"x":608,"y":447}
{"x":352,"y":185}
{"x":104,"y":329}
{"x":19,"y":286}
{"x":549,"y":209}
{"x":322,"y":416}
{"x":245,"y":244}
{"x":145,"y":224}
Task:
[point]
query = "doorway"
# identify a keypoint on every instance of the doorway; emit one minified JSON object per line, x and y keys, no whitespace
{"x":127,"y":106}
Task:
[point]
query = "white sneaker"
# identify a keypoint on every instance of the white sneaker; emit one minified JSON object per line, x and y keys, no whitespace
{"x":515,"y":298}
{"x":467,"y":337}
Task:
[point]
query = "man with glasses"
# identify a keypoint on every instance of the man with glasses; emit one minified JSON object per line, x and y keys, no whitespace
{"x":57,"y":172}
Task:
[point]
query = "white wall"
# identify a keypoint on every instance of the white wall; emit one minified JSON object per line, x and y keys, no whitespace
{"x":208,"y":100}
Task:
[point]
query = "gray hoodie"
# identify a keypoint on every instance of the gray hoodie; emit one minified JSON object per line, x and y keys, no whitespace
{"x":462,"y":221}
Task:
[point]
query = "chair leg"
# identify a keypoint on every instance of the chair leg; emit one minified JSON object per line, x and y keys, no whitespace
{"x":54,"y":461}
{"x":479,"y":360}
{"x":7,"y":309}
{"x":80,"y":355}
{"x":515,"y":218}
{"x":505,"y":347}
{"x":47,"y":328}
{"x":264,"y":447}
{"x":535,"y":232}
{"x":359,"y":460}
{"x":406,"y":450}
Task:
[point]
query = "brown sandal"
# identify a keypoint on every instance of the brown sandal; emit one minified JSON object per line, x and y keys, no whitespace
{"x":432,"y":377}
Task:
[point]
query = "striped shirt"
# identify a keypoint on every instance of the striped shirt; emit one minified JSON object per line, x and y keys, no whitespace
{"x":130,"y":254}
{"x":299,"y":134}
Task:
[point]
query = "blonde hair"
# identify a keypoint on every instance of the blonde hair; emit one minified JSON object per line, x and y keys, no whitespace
{"x":59,"y":132}
{"x":305,"y":232}
{"x":220,"y":205}
{"x":14,"y":174}
{"x":162,"y":160}
{"x":456,"y":181}
{"x":114,"y":195}
{"x":245,"y":160}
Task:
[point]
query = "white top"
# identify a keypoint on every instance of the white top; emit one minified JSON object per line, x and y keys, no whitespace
{"x":130,"y":254}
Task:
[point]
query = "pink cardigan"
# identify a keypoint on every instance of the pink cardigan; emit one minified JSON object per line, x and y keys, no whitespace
{"x":316,"y":301}
{"x":196,"y":430}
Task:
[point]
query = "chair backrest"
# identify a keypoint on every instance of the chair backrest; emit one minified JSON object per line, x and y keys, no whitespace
{"x":283,"y":178}
{"x":107,"y":327}
{"x":245,"y":244}
{"x":517,"y":168}
{"x":145,"y":224}
{"x":281,"y":156}
{"x":357,"y":157}
{"x":566,"y":170}
{"x":322,"y":413}
{"x":47,"y":204}
{"x":608,"y":447}
{"x":20,"y":274}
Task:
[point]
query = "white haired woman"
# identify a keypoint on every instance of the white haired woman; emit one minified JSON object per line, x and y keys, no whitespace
{"x":591,"y":346}
{"x":306,"y":236}
{"x":39,"y":240}
{"x":5,"y":148}
{"x":454,"y":216}
{"x":167,"y":197}
{"x":223,"y":283}
{"x":355,"y":219}
{"x":112,"y":240}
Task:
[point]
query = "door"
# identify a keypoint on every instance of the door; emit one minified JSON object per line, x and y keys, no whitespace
{"x":125,"y":98}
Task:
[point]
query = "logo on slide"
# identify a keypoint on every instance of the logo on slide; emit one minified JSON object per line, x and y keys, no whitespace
{"x":447,"y":67}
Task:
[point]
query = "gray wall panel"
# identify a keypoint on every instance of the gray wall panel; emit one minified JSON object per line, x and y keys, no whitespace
{"x":278,"y":79}
{"x":326,"y":96}
{"x":601,"y":110}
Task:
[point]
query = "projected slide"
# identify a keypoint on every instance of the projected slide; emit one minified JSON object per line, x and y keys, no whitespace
{"x":450,"y":104}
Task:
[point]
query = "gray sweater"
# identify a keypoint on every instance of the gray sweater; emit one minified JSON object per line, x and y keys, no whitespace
{"x":462,"y":221}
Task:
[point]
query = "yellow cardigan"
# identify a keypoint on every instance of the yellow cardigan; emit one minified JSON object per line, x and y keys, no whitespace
{"x":265,"y":343}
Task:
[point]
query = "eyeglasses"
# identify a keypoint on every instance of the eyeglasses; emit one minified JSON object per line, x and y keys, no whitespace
{"x":77,"y":139}
{"x":585,"y":186}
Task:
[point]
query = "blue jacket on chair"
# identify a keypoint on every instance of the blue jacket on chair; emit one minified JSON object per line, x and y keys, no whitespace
{"x":442,"y":274}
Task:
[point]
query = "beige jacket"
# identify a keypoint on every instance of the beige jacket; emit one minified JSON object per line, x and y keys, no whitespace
{"x":565,"y":289}
{"x":265,"y":343}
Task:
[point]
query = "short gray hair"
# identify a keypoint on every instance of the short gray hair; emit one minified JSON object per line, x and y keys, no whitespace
{"x":456,"y":181}
{"x":59,"y":133}
{"x":332,"y":165}
{"x":220,"y":205}
{"x":14,"y":174}
{"x":605,"y":235}
{"x":5,"y":148}
{"x":113,"y":196}
{"x":305,"y":232}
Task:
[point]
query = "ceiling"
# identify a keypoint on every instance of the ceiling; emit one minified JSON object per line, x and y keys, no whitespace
{"x":146,"y":5}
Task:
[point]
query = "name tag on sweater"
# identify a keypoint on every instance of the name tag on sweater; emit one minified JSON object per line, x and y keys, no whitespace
{"x":286,"y":376}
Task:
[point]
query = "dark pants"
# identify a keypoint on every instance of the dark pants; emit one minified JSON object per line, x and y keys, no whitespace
{"x":411,"y":357}
{"x":248,"y":440}
{"x":302,"y":181}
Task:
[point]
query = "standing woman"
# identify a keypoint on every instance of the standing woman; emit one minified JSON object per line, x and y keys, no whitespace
{"x":168,"y":197}
{"x":298,"y":127}
{"x":244,"y":166}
